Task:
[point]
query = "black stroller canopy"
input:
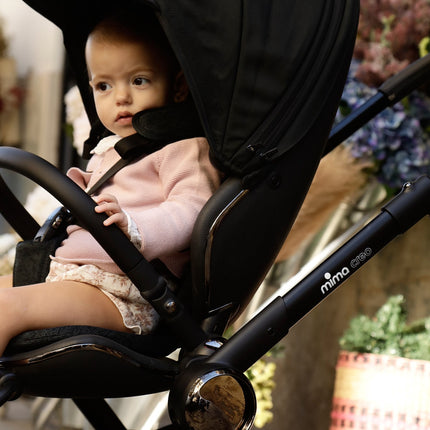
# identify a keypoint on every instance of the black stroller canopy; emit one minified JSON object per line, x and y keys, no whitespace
{"x":250,"y":72}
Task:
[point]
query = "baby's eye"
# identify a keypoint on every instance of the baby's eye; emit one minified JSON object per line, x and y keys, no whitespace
{"x":139,"y":81}
{"x":102,"y":86}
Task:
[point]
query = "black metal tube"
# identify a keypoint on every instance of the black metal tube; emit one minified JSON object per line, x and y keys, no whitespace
{"x":397,"y":216}
{"x":407,"y":80}
{"x":339,"y":267}
{"x":356,"y":120}
{"x":254,"y":339}
{"x":274,"y":322}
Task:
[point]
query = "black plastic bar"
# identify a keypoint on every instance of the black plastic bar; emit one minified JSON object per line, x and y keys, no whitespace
{"x":273,"y":323}
{"x":99,"y":414}
{"x":151,"y":285}
{"x":390,"y":92}
{"x":16,"y":214}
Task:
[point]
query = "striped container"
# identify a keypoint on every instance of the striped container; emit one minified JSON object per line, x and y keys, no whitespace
{"x":380,"y":392}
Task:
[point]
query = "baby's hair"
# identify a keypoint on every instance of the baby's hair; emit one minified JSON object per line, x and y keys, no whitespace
{"x":128,"y":27}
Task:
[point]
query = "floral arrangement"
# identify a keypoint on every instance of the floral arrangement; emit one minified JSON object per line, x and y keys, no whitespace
{"x":388,"y":333}
{"x":261,"y":376}
{"x":391,"y":35}
{"x":396,"y":141}
{"x":388,"y":37}
{"x":11,"y":95}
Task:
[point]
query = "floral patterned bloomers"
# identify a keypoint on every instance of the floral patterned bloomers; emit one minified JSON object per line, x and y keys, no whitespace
{"x":138,"y":315}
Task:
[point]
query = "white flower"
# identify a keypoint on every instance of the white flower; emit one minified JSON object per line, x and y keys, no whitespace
{"x":74,"y":105}
{"x":77,"y":118}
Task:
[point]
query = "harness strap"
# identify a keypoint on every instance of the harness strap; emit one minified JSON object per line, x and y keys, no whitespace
{"x":130,"y":148}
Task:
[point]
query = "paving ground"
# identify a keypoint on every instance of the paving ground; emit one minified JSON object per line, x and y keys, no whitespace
{"x":17,"y":415}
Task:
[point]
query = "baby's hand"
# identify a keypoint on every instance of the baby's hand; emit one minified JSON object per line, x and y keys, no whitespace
{"x":108,"y":204}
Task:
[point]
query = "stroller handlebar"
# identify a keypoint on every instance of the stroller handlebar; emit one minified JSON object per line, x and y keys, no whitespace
{"x":389,"y":93}
{"x":407,"y":80}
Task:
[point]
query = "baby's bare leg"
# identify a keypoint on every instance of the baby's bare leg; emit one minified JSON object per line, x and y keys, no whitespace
{"x":6,"y":281}
{"x":54,"y":304}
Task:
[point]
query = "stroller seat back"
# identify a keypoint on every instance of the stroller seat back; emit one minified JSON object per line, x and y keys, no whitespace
{"x":241,"y":229}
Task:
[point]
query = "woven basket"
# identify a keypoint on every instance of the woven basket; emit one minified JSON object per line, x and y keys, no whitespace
{"x":380,"y":392}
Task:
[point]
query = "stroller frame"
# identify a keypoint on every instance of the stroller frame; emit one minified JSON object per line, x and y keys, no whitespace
{"x":209,"y":361}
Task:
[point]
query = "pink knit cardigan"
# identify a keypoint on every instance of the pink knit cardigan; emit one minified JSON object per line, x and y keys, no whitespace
{"x":162,"y":192}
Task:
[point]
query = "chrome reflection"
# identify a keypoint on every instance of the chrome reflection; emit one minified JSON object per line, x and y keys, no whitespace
{"x":220,"y":400}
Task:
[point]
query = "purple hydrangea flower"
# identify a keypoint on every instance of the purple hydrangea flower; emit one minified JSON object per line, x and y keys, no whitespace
{"x":396,"y":141}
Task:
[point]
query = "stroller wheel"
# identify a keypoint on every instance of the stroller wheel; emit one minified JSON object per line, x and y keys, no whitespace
{"x":219,"y":399}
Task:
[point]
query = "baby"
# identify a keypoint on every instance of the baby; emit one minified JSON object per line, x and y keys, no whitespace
{"x":154,"y":201}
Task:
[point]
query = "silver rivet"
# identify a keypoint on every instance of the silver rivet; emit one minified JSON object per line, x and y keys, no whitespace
{"x":170,"y":306}
{"x":214,"y":344}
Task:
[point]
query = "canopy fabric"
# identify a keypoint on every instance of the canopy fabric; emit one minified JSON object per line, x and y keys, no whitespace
{"x":259,"y":71}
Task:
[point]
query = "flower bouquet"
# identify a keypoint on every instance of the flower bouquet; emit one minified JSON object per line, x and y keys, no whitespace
{"x":391,"y":35}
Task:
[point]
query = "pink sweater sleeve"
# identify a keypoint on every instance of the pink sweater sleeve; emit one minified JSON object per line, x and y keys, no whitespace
{"x":80,"y":177}
{"x":187,"y":180}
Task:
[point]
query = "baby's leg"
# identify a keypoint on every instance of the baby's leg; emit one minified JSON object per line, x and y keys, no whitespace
{"x":6,"y":281}
{"x":54,"y":304}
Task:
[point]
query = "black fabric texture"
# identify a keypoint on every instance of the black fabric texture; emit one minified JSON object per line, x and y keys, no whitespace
{"x":32,"y":261}
{"x":170,"y":123}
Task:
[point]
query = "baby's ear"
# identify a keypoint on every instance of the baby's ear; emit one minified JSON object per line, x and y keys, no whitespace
{"x":181,"y":88}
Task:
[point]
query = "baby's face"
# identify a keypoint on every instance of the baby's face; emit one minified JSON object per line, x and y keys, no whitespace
{"x":126,"y":78}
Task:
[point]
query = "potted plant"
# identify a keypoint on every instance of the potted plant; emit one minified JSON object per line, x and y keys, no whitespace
{"x":383,"y":372}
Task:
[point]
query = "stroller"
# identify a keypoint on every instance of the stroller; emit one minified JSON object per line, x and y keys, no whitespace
{"x":266,"y":78}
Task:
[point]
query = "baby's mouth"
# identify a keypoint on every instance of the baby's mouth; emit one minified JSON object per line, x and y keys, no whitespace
{"x":124,"y":118}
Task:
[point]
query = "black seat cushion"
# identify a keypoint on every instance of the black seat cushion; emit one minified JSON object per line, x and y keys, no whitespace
{"x":157,"y":344}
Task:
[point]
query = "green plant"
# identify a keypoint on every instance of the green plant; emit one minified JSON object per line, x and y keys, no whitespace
{"x":389,"y":333}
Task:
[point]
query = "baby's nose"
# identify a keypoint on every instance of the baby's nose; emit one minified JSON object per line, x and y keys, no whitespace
{"x":123,"y":95}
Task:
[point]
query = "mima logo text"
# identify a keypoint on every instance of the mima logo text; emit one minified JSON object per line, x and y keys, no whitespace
{"x":333,"y":280}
